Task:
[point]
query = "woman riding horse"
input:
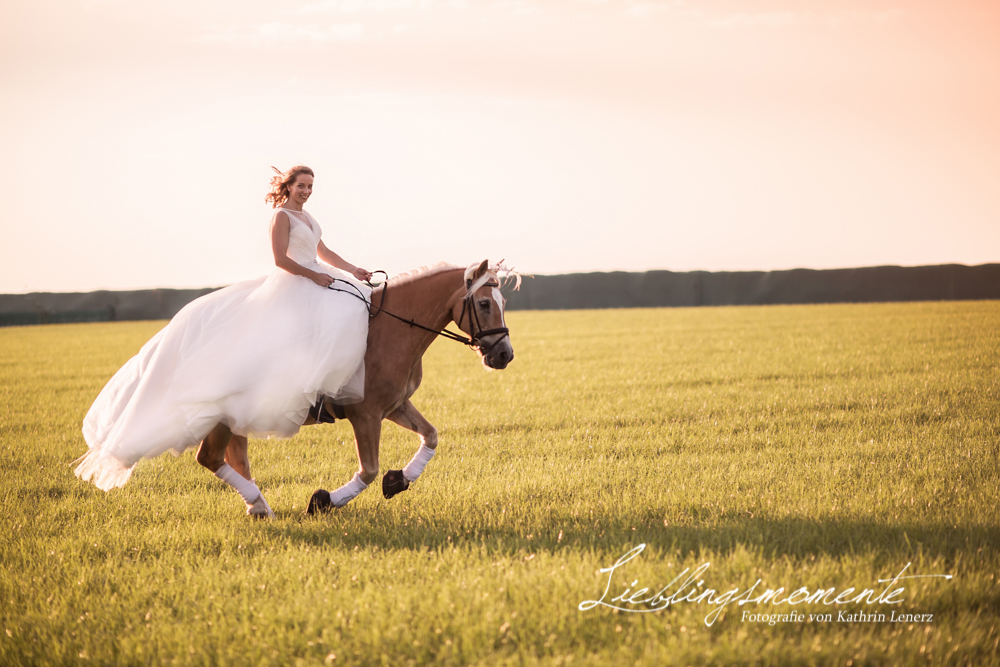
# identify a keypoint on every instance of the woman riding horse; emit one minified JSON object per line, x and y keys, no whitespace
{"x":255,"y":357}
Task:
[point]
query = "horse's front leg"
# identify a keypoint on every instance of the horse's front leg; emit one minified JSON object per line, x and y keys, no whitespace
{"x":407,"y":416}
{"x":367,"y":431}
{"x":214,"y":453}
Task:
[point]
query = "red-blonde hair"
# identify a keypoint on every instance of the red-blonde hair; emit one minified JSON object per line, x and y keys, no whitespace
{"x":280,"y":184}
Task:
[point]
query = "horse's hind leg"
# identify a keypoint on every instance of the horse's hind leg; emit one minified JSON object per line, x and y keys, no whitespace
{"x":236,"y":456}
{"x":213,"y":453}
{"x":407,"y":416}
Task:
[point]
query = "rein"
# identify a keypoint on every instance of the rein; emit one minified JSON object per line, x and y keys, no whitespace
{"x":467,"y":304}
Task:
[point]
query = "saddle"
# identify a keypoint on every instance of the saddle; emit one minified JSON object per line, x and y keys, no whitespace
{"x":321,"y":412}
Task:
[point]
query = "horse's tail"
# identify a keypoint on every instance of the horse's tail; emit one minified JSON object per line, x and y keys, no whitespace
{"x":105,"y":472}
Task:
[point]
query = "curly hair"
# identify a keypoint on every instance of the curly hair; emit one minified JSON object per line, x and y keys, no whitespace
{"x":280,"y":183}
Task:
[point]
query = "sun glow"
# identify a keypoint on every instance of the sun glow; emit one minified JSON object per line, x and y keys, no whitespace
{"x":569,"y":136}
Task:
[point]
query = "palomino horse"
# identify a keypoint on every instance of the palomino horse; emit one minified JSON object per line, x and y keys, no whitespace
{"x":408,"y":315}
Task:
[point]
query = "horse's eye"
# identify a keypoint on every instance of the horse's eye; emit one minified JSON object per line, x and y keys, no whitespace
{"x":485,"y":304}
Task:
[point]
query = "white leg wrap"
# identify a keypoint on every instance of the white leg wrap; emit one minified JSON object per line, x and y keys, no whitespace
{"x":247,"y":489}
{"x":348,"y":492}
{"x":417,"y":463}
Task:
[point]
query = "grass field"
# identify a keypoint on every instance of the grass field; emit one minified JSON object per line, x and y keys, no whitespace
{"x":823,"y":447}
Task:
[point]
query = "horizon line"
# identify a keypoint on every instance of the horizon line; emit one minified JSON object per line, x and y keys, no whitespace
{"x":532,"y":275}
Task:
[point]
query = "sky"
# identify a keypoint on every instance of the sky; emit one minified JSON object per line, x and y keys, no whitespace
{"x":137,"y":138}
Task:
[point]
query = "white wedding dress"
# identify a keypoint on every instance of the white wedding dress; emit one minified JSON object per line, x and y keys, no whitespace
{"x":253,"y":356}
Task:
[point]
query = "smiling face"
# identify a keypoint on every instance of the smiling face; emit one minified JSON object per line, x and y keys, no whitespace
{"x":299,"y":191}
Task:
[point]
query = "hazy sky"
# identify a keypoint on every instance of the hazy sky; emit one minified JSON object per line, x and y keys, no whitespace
{"x":563,"y":135}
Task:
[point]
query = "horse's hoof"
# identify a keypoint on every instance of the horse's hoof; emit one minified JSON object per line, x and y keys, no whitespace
{"x":259,"y":509}
{"x":393,"y":482}
{"x":320,"y":502}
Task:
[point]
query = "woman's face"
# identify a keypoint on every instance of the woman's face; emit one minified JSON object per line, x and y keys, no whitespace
{"x":300,"y":190}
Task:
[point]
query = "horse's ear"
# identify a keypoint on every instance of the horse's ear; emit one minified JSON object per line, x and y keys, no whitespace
{"x":473,"y":273}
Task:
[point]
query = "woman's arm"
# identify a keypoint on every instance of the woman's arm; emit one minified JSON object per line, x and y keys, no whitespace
{"x":336,"y":261}
{"x":279,"y":246}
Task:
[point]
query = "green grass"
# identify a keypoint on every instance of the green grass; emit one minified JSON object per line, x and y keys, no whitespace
{"x":815,"y":446}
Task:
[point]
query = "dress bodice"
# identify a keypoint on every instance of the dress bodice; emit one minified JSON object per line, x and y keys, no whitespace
{"x":303,"y":236}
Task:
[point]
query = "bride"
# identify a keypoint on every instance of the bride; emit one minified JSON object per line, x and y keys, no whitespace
{"x":252,"y":357}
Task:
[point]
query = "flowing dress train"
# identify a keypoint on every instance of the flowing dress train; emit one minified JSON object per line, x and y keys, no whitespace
{"x":253,"y":356}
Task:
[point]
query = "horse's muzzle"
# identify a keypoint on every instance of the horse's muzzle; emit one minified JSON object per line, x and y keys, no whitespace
{"x":499,"y":354}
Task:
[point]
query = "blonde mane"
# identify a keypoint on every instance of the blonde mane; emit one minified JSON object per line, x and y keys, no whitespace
{"x":505,"y":275}
{"x":423,"y":271}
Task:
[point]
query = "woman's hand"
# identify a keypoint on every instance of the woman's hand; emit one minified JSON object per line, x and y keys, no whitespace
{"x":361,"y":274}
{"x":321,"y":279}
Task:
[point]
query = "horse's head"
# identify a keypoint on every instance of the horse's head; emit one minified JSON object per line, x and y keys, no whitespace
{"x":480,"y":313}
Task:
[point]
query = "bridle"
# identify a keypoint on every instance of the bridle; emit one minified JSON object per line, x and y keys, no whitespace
{"x":478,"y":333}
{"x":468,"y":304}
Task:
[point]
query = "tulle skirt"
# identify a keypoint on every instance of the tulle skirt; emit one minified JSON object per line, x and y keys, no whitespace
{"x":252,"y":356}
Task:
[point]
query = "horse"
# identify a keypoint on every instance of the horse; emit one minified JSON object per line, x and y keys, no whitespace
{"x":405,"y":318}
